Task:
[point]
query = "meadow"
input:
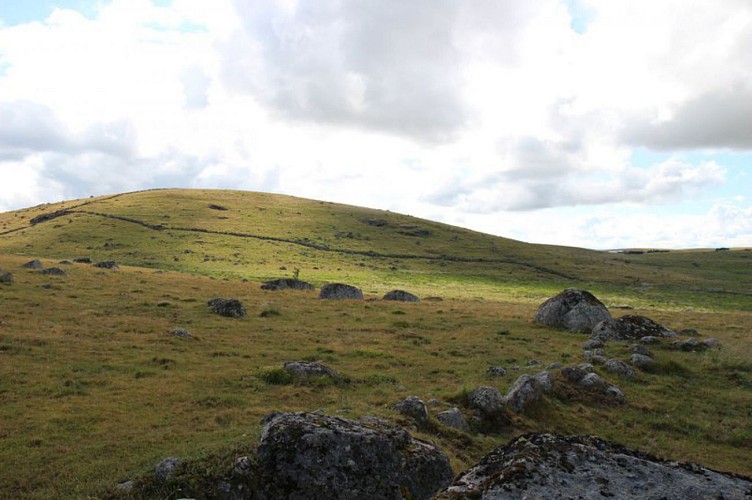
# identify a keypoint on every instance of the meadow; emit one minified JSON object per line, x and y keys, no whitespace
{"x":95,"y":390}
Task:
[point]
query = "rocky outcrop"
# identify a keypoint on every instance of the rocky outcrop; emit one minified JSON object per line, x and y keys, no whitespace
{"x":401,"y":296}
{"x":340,"y":291}
{"x":231,"y":308}
{"x":306,"y":455}
{"x":287,"y":284}
{"x":574,"y":310}
{"x":629,"y":327}
{"x":551,"y":466}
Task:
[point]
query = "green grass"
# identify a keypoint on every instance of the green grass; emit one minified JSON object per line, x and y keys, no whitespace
{"x":95,"y":390}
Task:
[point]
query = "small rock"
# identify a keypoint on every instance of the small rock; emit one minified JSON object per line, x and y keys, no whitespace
{"x":454,"y":418}
{"x":574,"y":374}
{"x":340,"y":291}
{"x":82,"y":260}
{"x":33,"y":264}
{"x":689,"y":345}
{"x":641,"y":361}
{"x":688,"y":332}
{"x":615,"y":393}
{"x":619,"y":367}
{"x":310,"y":369}
{"x":65,"y":263}
{"x":287,"y":284}
{"x":125,"y":486}
{"x":650,"y":339}
{"x":488,"y":400}
{"x":231,"y":308}
{"x":712,"y":343}
{"x":629,"y":327}
{"x":167,"y":468}
{"x":53,"y":271}
{"x":107,"y":264}
{"x":6,"y":278}
{"x":401,"y":296}
{"x":243,"y":466}
{"x":496,"y":371}
{"x":592,"y":380}
{"x":554,"y":366}
{"x":181,"y":332}
{"x":415,"y":408}
{"x":641,"y":349}
{"x":527,"y":389}
{"x":586,"y":367}
{"x":592,"y":344}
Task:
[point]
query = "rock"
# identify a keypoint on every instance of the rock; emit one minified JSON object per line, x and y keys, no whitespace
{"x":6,"y":278}
{"x":688,"y":332}
{"x":313,"y":369}
{"x":305,"y":455}
{"x":543,"y":465}
{"x":592,"y":344}
{"x":496,"y":371}
{"x":614,"y":392}
{"x":243,"y":466}
{"x":620,"y":368}
{"x":574,"y":374}
{"x":712,"y":343}
{"x":649,"y":339}
{"x":554,"y":366}
{"x":65,"y":263}
{"x":587,"y":367}
{"x":181,"y":332}
{"x":641,"y":349}
{"x":528,"y":389}
{"x":642,"y":362}
{"x":232,"y":308}
{"x":401,"y":296}
{"x":53,"y":271}
{"x":575,"y":310}
{"x":629,"y":328}
{"x":340,"y":291}
{"x":107,"y":264}
{"x":33,"y":264}
{"x":454,"y":418}
{"x":287,"y":284}
{"x":593,"y":380}
{"x":692,"y":344}
{"x":125,"y":487}
{"x":215,"y":206}
{"x":82,"y":260}
{"x":487,"y":400}
{"x":167,"y":468}
{"x":415,"y":408}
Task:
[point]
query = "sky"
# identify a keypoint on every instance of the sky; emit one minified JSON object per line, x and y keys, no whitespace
{"x":592,"y":123}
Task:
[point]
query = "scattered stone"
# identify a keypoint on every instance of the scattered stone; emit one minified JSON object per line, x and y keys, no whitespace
{"x":533,"y":362}
{"x":287,"y":284}
{"x":312,"y":369}
{"x":574,"y":374}
{"x":6,"y":278}
{"x":305,"y":455}
{"x":488,"y":400}
{"x":551,"y":466}
{"x":587,"y":367}
{"x":592,"y":344}
{"x":167,"y":468}
{"x":594,"y":357}
{"x":401,"y":296}
{"x":688,"y":332}
{"x":82,"y":260}
{"x":125,"y":486}
{"x":496,"y":371}
{"x":433,"y":299}
{"x":181,"y":332}
{"x":528,"y":389}
{"x":415,"y":408}
{"x":33,"y":264}
{"x":629,"y":327}
{"x":692,"y":344}
{"x":215,"y":206}
{"x":642,"y":361}
{"x":454,"y":418}
{"x":575,"y":310}
{"x":641,"y":349}
{"x":107,"y":264}
{"x":615,"y":393}
{"x":340,"y":291}
{"x":243,"y":466}
{"x":620,"y":368}
{"x":554,"y":366}
{"x":712,"y":343}
{"x":232,"y":308}
{"x":53,"y":271}
{"x":649,"y":339}
{"x":65,"y":263}
{"x":593,"y":380}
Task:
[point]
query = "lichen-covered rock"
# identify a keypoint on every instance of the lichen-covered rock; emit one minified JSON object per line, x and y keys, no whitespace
{"x":630,"y":327}
{"x":649,"y":340}
{"x":575,"y":310}
{"x":496,"y":371}
{"x":415,"y":408}
{"x":454,"y":418}
{"x":232,"y":308}
{"x":287,"y":284}
{"x":340,"y":291}
{"x":641,"y":349}
{"x":528,"y":389}
{"x":312,"y":369}
{"x":167,"y":468}
{"x":619,"y":367}
{"x":181,"y":332}
{"x":642,"y":362}
{"x":305,"y":455}
{"x":693,"y":344}
{"x":551,"y":466}
{"x":401,"y":296}
{"x":488,"y":400}
{"x":592,"y":344}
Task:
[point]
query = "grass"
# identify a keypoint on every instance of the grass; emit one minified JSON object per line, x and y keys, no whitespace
{"x":94,"y":389}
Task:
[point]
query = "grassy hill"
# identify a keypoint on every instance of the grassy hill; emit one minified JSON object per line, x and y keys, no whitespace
{"x":94,"y":389}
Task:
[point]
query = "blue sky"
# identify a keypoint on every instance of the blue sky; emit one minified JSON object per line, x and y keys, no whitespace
{"x":594,"y":123}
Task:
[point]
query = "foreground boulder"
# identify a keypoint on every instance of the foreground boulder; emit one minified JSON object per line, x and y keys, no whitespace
{"x":551,"y":466}
{"x":630,"y":327}
{"x":232,"y":308}
{"x":401,"y":296}
{"x":340,"y":291}
{"x":306,"y":455}
{"x":287,"y":284}
{"x":575,"y":310}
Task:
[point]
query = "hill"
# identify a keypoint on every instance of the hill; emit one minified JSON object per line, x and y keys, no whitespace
{"x":94,"y":389}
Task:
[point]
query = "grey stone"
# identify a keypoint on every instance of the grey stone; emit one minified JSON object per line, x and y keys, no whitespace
{"x":181,"y":332}
{"x":231,"y":308}
{"x":690,"y":344}
{"x":401,"y":296}
{"x":107,"y":264}
{"x":528,"y":389}
{"x":586,"y":367}
{"x":629,"y":327}
{"x":641,"y":349}
{"x":592,"y":344}
{"x":310,"y":369}
{"x":6,"y":278}
{"x":340,"y":291}
{"x":167,"y":468}
{"x":712,"y":343}
{"x":304,"y":455}
{"x":650,"y":339}
{"x":554,"y":366}
{"x":551,"y":466}
{"x":619,"y":367}
{"x":593,"y":380}
{"x":574,"y":310}
{"x":641,"y":361}
{"x":125,"y":486}
{"x":688,"y":332}
{"x":33,"y":264}
{"x":52,"y":271}
{"x":415,"y":408}
{"x":496,"y":371}
{"x":616,"y":393}
{"x":287,"y":284}
{"x":454,"y":418}
{"x":488,"y":400}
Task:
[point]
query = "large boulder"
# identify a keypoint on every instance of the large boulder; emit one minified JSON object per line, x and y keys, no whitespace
{"x":575,"y":310}
{"x":306,"y":455}
{"x":630,"y":327}
{"x":401,"y":296}
{"x":287,"y":284}
{"x":551,"y":466}
{"x":340,"y":291}
{"x":232,"y":308}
